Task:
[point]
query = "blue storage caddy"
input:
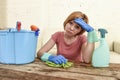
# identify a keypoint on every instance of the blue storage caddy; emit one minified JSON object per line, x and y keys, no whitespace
{"x":17,"y":47}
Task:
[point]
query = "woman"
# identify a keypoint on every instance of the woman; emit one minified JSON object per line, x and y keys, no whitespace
{"x":71,"y":43}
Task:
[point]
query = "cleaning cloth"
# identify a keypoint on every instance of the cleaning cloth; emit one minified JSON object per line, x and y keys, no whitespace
{"x":67,"y":65}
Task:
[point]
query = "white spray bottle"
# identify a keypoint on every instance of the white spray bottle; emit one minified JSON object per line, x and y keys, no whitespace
{"x":101,"y":55}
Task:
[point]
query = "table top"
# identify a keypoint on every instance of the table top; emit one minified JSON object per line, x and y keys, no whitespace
{"x":38,"y":70}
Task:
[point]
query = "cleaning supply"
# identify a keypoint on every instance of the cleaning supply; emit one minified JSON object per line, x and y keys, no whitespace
{"x":35,"y":28}
{"x":101,"y":55}
{"x":18,"y":25}
{"x":63,"y":65}
{"x":17,"y":45}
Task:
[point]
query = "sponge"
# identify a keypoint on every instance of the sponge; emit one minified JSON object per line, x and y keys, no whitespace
{"x":51,"y":64}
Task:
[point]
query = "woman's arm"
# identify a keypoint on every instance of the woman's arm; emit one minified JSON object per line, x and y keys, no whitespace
{"x":87,"y":48}
{"x":87,"y":51}
{"x":46,"y":47}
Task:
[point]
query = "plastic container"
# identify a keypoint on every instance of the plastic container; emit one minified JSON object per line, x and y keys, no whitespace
{"x":101,"y":55}
{"x":17,"y":47}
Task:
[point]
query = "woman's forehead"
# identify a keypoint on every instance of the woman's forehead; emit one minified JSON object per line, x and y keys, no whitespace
{"x":74,"y":22}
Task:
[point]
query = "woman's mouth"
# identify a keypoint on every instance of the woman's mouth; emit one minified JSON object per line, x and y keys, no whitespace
{"x":70,"y":32}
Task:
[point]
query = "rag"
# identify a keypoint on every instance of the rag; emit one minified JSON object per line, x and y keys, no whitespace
{"x":63,"y":65}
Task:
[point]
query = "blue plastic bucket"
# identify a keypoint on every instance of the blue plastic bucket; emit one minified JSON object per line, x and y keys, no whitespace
{"x":17,"y":47}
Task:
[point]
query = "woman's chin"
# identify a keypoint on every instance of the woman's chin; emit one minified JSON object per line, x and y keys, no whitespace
{"x":69,"y":33}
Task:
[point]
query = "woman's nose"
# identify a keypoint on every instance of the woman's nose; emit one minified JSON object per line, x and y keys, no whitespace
{"x":72,"y":27}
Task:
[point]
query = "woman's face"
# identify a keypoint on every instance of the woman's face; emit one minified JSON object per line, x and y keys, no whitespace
{"x":72,"y":28}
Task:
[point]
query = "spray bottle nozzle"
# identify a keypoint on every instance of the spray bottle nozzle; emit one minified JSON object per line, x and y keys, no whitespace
{"x":102,"y":32}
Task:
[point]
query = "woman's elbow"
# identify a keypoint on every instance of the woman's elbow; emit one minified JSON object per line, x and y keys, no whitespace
{"x":87,"y":61}
{"x":39,"y":54}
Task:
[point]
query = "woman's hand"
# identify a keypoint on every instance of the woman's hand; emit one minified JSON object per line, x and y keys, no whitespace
{"x":59,"y":59}
{"x":83,"y":24}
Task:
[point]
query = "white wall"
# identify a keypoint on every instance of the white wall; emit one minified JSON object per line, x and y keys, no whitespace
{"x":49,"y":15}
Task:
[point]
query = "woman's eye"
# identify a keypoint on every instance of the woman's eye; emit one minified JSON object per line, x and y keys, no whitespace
{"x":70,"y":22}
{"x":77,"y":27}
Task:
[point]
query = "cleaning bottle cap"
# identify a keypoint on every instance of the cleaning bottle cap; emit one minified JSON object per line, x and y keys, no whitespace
{"x":18,"y":25}
{"x":34,"y":28}
{"x":102,"y":32}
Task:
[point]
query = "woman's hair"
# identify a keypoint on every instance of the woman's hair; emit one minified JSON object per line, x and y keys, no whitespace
{"x":76,"y":14}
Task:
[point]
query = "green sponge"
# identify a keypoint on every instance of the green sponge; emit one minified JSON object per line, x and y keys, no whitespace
{"x":67,"y":65}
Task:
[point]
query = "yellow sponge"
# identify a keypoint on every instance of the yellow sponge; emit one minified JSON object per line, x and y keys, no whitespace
{"x":67,"y":65}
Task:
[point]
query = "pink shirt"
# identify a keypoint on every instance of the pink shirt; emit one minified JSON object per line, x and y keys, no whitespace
{"x":70,"y":51}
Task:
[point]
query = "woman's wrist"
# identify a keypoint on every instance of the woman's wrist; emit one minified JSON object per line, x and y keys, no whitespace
{"x":92,"y":36}
{"x":45,"y":56}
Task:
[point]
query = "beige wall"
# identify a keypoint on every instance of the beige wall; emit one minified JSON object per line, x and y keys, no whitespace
{"x":3,"y":17}
{"x":49,"y":15}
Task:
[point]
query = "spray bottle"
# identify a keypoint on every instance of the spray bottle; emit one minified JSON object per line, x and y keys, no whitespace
{"x":101,"y":55}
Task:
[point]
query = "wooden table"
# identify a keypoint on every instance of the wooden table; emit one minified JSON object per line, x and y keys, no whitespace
{"x":40,"y":71}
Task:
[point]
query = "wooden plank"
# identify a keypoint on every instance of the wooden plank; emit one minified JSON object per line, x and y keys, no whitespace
{"x":39,"y":70}
{"x":8,"y":74}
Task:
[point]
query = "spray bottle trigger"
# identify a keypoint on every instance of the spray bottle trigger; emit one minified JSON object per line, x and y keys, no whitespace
{"x":102,"y":32}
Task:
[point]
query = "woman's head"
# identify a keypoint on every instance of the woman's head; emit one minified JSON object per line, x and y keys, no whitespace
{"x":76,"y":14}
